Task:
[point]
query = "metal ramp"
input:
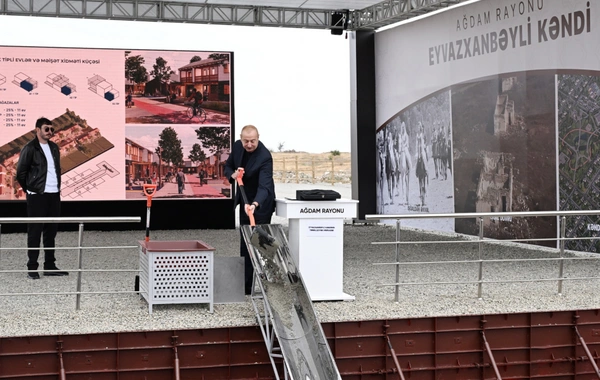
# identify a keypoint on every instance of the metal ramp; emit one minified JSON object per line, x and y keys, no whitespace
{"x":285,"y":312}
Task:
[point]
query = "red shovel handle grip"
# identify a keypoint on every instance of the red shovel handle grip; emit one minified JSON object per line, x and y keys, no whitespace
{"x":240,"y":174}
{"x":149,"y":191}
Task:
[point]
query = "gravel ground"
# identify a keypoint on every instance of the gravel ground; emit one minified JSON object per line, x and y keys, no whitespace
{"x":363,"y":278}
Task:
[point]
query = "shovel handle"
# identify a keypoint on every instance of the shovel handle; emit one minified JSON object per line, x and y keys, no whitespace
{"x":149,"y":191}
{"x":240,"y":183}
{"x":240,"y":174}
{"x":250,"y":214}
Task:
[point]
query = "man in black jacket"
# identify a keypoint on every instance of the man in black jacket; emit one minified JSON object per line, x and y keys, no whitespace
{"x":38,"y":172}
{"x":256,"y":160}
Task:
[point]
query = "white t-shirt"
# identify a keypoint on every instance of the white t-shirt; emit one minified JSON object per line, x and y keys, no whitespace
{"x":51,"y":180}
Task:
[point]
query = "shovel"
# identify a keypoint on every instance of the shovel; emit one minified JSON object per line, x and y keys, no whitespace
{"x":149,"y":191}
{"x":260,"y":238}
{"x":266,"y":244}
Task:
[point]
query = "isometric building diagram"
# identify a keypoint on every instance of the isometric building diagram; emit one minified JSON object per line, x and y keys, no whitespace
{"x":101,"y":87}
{"x":25,"y":82}
{"x":76,"y":184}
{"x":78,"y":143}
{"x":2,"y":79}
{"x":60,"y":83}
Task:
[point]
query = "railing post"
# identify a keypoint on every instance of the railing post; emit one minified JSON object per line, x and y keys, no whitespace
{"x":561,"y":267}
{"x":480,"y":278}
{"x":397,"y":295}
{"x":313,"y":169}
{"x":79,"y":264}
{"x":297,"y":173}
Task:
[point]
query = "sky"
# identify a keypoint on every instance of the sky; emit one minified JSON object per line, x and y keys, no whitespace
{"x":292,"y":84}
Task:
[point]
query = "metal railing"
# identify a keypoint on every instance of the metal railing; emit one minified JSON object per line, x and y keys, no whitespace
{"x":480,"y":241}
{"x":80,"y":248}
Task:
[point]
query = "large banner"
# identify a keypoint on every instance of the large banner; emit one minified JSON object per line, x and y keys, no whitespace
{"x":122,"y":118}
{"x":490,"y":107}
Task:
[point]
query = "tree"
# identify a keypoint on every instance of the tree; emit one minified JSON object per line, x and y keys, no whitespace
{"x":197,"y":154}
{"x":280,"y":146}
{"x":219,"y":56}
{"x":171,"y":147}
{"x":135,"y":70}
{"x":222,"y":58}
{"x":215,"y":139}
{"x":195,"y":59}
{"x":161,"y":71}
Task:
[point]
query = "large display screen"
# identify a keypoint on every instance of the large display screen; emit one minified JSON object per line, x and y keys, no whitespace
{"x":122,"y":118}
{"x":495,"y":109}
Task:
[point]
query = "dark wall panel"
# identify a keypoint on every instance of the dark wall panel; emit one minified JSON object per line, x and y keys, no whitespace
{"x":165,"y":214}
{"x":365,"y":123}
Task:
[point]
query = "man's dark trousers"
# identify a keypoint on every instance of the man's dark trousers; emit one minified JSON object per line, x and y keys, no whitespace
{"x":248,"y":268}
{"x":42,"y":205}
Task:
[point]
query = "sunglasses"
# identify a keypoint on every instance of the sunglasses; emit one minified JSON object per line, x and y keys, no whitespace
{"x":48,"y":129}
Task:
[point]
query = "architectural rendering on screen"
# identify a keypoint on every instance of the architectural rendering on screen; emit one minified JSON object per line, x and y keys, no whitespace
{"x":176,"y":87}
{"x":183,"y":161}
{"x":76,"y":184}
{"x":579,"y":156}
{"x":60,"y":83}
{"x":25,"y":82}
{"x":504,"y":133}
{"x":118,"y":103}
{"x":99,"y":86}
{"x":78,"y":143}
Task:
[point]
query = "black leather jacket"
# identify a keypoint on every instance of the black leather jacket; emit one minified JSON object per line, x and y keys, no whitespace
{"x":32,"y":166}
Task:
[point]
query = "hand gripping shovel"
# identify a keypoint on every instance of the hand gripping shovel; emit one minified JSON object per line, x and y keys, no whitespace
{"x":266,"y":243}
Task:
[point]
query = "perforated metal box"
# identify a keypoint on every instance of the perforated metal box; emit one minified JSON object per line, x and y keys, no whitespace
{"x":176,"y":272}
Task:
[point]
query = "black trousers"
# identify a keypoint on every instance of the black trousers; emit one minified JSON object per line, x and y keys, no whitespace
{"x":42,"y":205}
{"x":248,"y":268}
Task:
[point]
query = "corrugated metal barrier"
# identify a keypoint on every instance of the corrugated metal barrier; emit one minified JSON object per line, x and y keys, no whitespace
{"x":548,"y":345}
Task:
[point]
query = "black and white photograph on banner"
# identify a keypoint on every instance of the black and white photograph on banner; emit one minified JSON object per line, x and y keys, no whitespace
{"x":504,"y":153}
{"x":415,"y":163}
{"x":578,"y":158}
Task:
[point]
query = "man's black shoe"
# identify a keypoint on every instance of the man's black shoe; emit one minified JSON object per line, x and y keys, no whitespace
{"x":57,"y":272}
{"x":33,"y":275}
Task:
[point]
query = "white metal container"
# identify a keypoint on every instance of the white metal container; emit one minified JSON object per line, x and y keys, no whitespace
{"x":176,"y":272}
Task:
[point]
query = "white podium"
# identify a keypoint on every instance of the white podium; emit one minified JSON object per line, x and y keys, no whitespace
{"x":316,"y":242}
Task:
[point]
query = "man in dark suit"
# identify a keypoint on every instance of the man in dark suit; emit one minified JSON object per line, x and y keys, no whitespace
{"x":256,"y":160}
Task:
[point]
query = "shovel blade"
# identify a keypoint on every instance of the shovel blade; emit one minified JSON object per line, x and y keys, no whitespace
{"x":264,"y":242}
{"x":269,"y":253}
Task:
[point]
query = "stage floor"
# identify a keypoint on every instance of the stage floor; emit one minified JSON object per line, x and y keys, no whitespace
{"x":363,"y":278}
